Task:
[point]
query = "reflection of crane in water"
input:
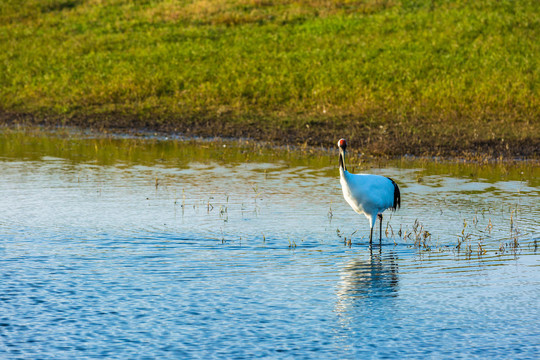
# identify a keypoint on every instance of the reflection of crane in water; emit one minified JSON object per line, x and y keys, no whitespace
{"x":376,"y":277}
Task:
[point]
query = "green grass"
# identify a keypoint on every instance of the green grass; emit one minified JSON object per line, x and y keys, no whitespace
{"x":392,"y":76}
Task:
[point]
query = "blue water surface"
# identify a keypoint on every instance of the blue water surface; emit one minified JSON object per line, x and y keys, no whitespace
{"x":253,"y":261}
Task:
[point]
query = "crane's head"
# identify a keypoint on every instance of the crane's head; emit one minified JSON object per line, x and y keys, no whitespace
{"x":342,"y":144}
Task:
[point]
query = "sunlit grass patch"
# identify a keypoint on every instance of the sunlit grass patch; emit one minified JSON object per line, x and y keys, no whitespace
{"x":237,"y":12}
{"x":396,"y":76}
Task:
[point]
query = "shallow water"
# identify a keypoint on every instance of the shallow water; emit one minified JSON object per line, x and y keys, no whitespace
{"x":149,"y":248}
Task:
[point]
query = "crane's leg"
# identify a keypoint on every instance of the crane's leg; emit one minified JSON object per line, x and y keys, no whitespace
{"x":371,"y":235}
{"x":380,"y":228}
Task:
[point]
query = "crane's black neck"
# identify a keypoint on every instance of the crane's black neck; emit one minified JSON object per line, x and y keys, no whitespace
{"x":342,"y":160}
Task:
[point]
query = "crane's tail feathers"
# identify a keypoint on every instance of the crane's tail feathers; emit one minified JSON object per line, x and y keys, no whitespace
{"x":397,"y":196}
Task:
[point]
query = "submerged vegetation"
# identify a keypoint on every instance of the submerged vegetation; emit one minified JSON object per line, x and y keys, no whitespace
{"x":395,"y":77}
{"x":478,"y":237}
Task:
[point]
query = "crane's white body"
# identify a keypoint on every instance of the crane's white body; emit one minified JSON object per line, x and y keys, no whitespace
{"x":367,"y":194}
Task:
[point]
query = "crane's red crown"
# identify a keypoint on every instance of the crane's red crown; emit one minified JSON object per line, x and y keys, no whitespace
{"x":342,"y":144}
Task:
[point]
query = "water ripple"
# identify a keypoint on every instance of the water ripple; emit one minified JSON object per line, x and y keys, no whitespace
{"x":260,"y":260}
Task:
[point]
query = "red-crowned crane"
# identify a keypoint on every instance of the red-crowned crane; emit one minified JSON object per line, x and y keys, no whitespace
{"x":367,"y":194}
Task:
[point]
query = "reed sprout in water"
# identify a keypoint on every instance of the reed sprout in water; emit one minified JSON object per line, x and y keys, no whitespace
{"x":474,"y":238}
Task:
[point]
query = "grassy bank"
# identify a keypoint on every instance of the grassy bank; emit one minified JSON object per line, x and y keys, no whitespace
{"x":394,"y":77}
